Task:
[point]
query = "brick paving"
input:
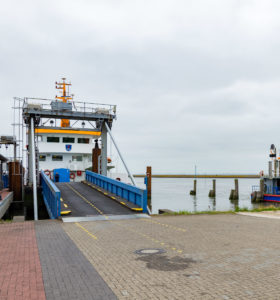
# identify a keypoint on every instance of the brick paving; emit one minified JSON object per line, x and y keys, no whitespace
{"x":20,"y":270}
{"x":207,"y":256}
{"x":67,"y":273}
{"x":204,"y":257}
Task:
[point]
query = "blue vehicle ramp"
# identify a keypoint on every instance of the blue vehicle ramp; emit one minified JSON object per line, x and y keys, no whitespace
{"x":84,"y":201}
{"x":97,"y":196}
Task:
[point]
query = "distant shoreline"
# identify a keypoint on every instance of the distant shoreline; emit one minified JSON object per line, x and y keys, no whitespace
{"x":200,"y":176}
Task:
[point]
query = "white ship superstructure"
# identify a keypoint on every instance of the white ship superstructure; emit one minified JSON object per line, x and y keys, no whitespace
{"x":70,"y":136}
{"x":66,"y":148}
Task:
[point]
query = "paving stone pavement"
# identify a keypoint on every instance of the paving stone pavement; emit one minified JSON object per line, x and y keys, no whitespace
{"x":207,"y":256}
{"x":67,"y":273}
{"x":20,"y":269}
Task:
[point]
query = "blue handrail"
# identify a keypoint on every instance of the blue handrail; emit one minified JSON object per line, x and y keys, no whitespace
{"x":131,"y":193}
{"x":51,"y":195}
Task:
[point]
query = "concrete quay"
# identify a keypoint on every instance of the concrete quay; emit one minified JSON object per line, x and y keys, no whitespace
{"x":225,"y":256}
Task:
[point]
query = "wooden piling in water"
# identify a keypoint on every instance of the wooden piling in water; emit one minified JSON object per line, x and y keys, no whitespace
{"x":258,"y":195}
{"x":236,"y":187}
{"x":212,"y":193}
{"x":234,"y":194}
{"x":193,"y":192}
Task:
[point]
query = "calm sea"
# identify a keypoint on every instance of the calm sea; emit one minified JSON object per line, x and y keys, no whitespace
{"x":174,"y":194}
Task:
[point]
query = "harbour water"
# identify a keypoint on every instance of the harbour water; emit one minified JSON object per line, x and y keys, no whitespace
{"x":174,"y":194}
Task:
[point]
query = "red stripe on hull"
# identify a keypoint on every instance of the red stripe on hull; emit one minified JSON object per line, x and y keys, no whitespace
{"x":271,"y":195}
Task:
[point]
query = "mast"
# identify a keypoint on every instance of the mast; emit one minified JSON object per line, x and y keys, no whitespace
{"x":64,"y":97}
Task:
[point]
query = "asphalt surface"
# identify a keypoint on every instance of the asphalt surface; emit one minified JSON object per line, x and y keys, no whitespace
{"x":84,"y":201}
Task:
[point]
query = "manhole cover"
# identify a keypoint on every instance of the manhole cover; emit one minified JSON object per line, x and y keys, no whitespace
{"x":149,"y":251}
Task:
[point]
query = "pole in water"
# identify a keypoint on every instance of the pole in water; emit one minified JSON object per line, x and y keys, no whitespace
{"x":193,"y":192}
{"x":234,"y":194}
{"x":212,"y":193}
{"x":258,"y":197}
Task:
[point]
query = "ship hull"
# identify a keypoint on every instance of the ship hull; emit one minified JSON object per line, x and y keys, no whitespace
{"x":271,"y":198}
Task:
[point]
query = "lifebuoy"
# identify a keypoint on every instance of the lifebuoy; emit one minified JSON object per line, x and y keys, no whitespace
{"x":47,"y":172}
{"x":72,"y":175}
{"x":109,"y":160}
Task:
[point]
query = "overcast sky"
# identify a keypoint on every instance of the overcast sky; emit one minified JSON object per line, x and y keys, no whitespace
{"x":195,"y":82}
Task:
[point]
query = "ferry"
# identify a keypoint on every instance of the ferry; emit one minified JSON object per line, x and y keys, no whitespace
{"x":64,"y":149}
{"x":269,"y":188}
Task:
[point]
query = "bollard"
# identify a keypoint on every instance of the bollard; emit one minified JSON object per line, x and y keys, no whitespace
{"x":254,"y":196}
{"x":212,"y":193}
{"x":193,"y":192}
{"x":234,"y":194}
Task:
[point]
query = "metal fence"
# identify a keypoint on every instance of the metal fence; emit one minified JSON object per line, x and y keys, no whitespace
{"x":51,"y":195}
{"x":128,"y":192}
{"x":255,"y":188}
{"x":77,"y":106}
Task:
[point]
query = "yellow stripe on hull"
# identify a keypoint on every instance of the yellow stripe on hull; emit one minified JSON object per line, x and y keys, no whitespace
{"x":83,"y":132}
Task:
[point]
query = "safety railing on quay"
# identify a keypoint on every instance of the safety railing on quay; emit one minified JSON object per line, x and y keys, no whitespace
{"x":51,"y":195}
{"x":128,"y":192}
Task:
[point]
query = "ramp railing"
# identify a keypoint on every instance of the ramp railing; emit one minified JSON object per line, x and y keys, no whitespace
{"x":128,"y":192}
{"x":51,"y":195}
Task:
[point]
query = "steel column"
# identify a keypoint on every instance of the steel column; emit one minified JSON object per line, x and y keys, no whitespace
{"x":29,"y":156}
{"x":33,"y":160}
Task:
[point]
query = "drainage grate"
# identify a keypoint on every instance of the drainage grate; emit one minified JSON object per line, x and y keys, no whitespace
{"x":149,"y":251}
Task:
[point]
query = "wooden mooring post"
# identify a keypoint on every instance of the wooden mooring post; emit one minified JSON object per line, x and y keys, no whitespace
{"x":234,"y":194}
{"x":212,"y":193}
{"x":257,"y":196}
{"x":149,"y":187}
{"x":193,"y":192}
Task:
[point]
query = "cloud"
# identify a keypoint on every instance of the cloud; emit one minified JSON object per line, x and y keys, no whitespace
{"x":195,"y":82}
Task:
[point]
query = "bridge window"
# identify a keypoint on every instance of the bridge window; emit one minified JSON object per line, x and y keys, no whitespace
{"x":53,"y":139}
{"x":83,"y":141}
{"x":42,"y":157}
{"x":57,"y":157}
{"x":77,"y":157}
{"x":68,"y":140}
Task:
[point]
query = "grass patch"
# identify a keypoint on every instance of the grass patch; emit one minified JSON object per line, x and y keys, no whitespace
{"x":5,"y":221}
{"x":237,"y":209}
